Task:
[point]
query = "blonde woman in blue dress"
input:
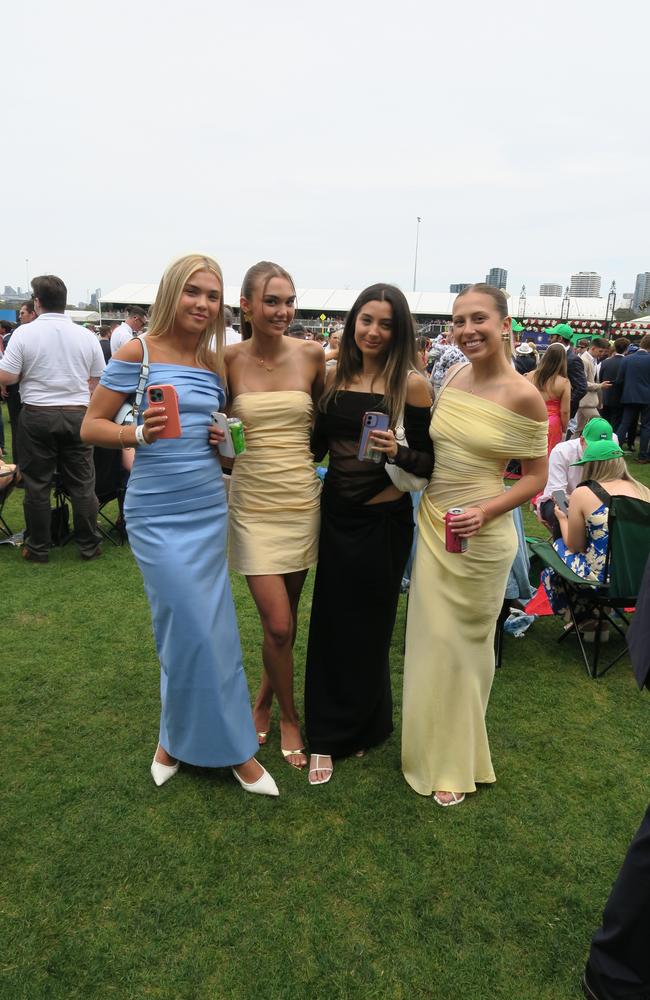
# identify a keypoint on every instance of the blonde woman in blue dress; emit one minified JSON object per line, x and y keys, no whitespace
{"x":176,"y":517}
{"x":274,"y":384}
{"x":486,"y":414}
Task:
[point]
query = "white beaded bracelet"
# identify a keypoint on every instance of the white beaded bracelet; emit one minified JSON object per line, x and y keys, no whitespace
{"x":140,"y":438}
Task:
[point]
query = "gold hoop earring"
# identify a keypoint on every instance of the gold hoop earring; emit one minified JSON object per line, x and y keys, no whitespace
{"x":248,"y":317}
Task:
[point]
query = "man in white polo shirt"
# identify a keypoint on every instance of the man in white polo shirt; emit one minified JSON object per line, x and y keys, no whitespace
{"x":58,"y":364}
{"x":132,"y":326}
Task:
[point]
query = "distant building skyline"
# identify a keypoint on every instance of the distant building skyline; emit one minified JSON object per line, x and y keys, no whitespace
{"x":641,"y":292}
{"x":497,"y":277}
{"x":585,"y":285}
{"x":551,"y":290}
{"x":459,"y":287}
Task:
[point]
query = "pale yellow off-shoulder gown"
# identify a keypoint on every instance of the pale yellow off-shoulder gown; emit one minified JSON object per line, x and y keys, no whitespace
{"x":455,"y":599}
{"x":274,"y":499}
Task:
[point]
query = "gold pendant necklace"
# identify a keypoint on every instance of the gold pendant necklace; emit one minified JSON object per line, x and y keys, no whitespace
{"x":262,"y":363}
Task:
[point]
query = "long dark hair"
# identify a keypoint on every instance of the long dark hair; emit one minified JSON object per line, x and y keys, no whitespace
{"x":401,"y":357}
{"x":553,"y":363}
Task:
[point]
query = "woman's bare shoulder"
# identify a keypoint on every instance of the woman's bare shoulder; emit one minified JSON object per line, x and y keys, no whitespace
{"x":418,"y":390}
{"x":232,"y":351}
{"x":525,"y":398}
{"x":131,"y":351}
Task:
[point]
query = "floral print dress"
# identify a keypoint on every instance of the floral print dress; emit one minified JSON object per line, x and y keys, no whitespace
{"x":590,"y":564}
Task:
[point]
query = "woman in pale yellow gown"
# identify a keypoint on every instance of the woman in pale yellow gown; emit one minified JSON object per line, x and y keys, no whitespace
{"x":486,"y":414}
{"x":274,"y":503}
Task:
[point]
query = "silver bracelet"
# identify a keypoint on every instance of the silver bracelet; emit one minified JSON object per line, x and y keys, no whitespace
{"x":140,"y":438}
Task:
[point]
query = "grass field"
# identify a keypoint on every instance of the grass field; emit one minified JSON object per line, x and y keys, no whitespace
{"x":111,"y":887}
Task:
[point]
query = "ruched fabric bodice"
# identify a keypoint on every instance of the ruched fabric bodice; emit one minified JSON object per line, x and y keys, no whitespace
{"x":276,"y":471}
{"x":473,"y":440}
{"x":174,"y":474}
{"x":275,"y":492}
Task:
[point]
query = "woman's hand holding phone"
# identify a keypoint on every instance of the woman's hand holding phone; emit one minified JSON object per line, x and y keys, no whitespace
{"x":216,"y":435}
{"x":385,"y":442}
{"x":154,"y":423}
{"x":162,"y":418}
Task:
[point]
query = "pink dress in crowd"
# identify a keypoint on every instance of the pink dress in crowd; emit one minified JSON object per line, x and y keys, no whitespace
{"x":555,"y":432}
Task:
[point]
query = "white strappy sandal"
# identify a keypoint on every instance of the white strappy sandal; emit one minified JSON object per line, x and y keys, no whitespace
{"x":313,"y":770}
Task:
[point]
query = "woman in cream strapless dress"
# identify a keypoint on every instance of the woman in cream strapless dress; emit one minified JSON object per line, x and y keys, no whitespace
{"x":274,"y":383}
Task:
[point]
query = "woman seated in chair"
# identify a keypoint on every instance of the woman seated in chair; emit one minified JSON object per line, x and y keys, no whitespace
{"x":583,"y":545}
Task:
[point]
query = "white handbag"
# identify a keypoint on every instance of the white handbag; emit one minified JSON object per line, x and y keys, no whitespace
{"x":405,"y":481}
{"x":128,"y":411}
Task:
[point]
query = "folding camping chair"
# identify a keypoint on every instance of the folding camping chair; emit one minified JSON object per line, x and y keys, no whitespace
{"x":110,"y":487}
{"x":7,"y":483}
{"x":628,"y":549}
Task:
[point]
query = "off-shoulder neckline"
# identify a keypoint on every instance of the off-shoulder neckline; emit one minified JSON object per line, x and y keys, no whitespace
{"x":167,"y":364}
{"x":490,"y":402}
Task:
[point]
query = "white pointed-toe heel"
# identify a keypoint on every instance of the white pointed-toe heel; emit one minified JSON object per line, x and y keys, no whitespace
{"x":163,"y":772}
{"x":265,"y":785}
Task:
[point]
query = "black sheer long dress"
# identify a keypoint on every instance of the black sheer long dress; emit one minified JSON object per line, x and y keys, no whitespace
{"x":363,"y":549}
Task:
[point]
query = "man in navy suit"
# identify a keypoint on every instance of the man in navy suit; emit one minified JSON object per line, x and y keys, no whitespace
{"x":634,"y":379}
{"x":562,"y":334}
{"x":612,"y":408}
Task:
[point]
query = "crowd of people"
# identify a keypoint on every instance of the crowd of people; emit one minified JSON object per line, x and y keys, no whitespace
{"x":441,"y":422}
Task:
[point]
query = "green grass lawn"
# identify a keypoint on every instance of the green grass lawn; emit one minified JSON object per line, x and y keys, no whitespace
{"x":111,"y":887}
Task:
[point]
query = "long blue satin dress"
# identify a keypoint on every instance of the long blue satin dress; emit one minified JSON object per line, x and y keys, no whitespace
{"x":177,"y":522}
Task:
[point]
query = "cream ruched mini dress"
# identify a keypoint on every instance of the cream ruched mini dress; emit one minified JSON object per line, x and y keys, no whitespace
{"x":274,"y":492}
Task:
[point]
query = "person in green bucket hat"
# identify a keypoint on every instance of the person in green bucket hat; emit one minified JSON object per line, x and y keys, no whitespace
{"x":584,"y":525}
{"x":562,"y":333}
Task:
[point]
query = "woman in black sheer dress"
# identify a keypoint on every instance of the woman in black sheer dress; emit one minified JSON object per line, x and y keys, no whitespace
{"x":366,"y":528}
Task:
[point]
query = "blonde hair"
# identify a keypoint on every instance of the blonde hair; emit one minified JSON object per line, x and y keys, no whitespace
{"x":163,"y":312}
{"x":613,"y":468}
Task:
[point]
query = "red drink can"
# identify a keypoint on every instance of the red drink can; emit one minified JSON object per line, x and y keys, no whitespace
{"x":454,"y":543}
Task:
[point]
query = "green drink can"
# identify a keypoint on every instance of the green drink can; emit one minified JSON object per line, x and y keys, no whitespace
{"x":236,"y":429}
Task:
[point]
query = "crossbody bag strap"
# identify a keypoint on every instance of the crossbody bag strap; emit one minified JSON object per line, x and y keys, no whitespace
{"x":142,"y":381}
{"x":599,"y":490}
{"x":447,"y":381}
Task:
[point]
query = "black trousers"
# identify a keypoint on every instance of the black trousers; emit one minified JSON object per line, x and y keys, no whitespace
{"x":613,"y":414}
{"x":628,"y":425}
{"x":619,"y":960}
{"x":13,"y":409}
{"x":49,"y":441}
{"x":547,"y":510}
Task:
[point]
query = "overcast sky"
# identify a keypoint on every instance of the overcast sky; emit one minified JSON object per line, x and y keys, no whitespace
{"x":313,"y":134}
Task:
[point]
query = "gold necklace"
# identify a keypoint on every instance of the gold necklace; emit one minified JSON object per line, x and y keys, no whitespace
{"x":262,"y":363}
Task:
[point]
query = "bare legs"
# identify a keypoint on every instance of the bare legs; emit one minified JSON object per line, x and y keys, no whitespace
{"x":277,"y":599}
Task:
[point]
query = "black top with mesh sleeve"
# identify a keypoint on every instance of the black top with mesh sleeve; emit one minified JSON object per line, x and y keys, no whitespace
{"x":338,"y":431}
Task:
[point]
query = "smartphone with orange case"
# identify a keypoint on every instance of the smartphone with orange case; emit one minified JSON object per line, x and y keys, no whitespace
{"x":166,"y":395}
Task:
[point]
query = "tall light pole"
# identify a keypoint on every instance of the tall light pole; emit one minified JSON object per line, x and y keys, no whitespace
{"x":611,"y":306}
{"x":27,"y":274}
{"x":522,"y":304}
{"x":566,"y":305}
{"x":417,"y":243}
